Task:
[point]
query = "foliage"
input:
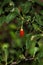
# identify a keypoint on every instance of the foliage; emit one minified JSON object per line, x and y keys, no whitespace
{"x":14,"y":49}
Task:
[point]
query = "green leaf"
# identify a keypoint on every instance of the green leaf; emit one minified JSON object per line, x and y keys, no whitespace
{"x":40,"y":54}
{"x":41,"y":62}
{"x":41,"y":44}
{"x":30,"y":44}
{"x":27,"y":18}
{"x":21,"y":56}
{"x":28,"y":41}
{"x":12,"y":26}
{"x":2,"y":20}
{"x":36,"y":36}
{"x":13,"y":35}
{"x":1,"y":11}
{"x":5,"y":2}
{"x":38,"y":19}
{"x":5,"y":46}
{"x":12,"y":15}
{"x":26,"y":7}
{"x":41,"y":12}
{"x":36,"y":27}
{"x":33,"y":50}
{"x":40,"y":2}
{"x":18,"y":42}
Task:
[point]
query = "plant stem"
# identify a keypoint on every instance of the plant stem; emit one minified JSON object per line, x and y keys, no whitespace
{"x":5,"y":57}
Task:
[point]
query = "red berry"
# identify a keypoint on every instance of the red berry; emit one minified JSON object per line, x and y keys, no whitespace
{"x":21,"y":32}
